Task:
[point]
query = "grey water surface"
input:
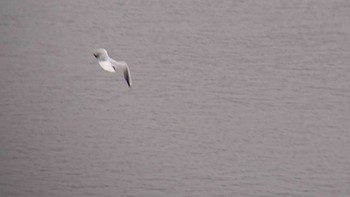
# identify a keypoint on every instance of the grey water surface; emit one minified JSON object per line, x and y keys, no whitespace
{"x":229,"y":98}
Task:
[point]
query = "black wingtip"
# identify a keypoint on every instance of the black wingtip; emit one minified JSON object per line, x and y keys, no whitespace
{"x":128,"y":82}
{"x":127,"y":78}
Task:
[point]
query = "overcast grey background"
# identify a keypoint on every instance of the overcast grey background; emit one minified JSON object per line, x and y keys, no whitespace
{"x":230,"y":98}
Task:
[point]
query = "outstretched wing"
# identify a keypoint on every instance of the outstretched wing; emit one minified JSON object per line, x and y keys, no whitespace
{"x":107,"y":66}
{"x":125,"y":69}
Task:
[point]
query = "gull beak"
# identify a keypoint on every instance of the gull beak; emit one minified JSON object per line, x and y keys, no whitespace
{"x":95,"y":54}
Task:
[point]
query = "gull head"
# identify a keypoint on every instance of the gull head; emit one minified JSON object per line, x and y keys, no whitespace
{"x":100,"y":53}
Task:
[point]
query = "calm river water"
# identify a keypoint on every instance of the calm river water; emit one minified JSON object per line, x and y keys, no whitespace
{"x":230,"y":98}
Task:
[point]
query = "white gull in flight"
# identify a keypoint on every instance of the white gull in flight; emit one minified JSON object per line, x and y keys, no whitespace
{"x":110,"y":65}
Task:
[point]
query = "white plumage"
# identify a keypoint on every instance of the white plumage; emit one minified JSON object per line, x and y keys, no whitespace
{"x":110,"y":65}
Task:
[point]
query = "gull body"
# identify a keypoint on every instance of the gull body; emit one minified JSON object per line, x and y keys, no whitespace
{"x":110,"y":65}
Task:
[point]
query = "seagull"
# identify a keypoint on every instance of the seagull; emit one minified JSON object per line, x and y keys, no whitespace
{"x":110,"y":65}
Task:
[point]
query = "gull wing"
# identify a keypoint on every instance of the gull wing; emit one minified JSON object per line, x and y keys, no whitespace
{"x":107,"y":66}
{"x":125,"y":68}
